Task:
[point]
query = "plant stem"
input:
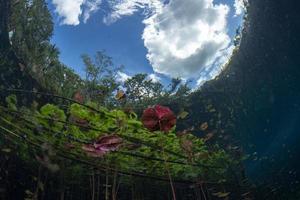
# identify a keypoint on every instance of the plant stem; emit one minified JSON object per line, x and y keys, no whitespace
{"x":106,"y":186}
{"x":170,"y":178}
{"x":203,"y":191}
{"x":114,"y":193}
{"x":93,"y":186}
{"x":36,"y":193}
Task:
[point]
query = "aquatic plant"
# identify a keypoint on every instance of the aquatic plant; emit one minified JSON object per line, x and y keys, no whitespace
{"x":114,"y":142}
{"x":103,"y":145}
{"x":158,"y":118}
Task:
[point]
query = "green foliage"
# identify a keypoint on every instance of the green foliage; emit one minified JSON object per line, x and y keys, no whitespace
{"x":142,"y":151}
{"x":62,"y":80}
{"x":100,"y":80}
{"x":31,"y":27}
{"x":11,"y":102}
{"x":56,"y":115}
{"x":139,"y":88}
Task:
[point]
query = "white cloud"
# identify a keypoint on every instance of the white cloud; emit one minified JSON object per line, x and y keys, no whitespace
{"x":239,"y":6}
{"x":92,"y":6}
{"x":122,"y":77}
{"x":122,"y":8}
{"x":70,"y":11}
{"x":154,"y":78}
{"x":186,"y":37}
{"x":215,"y":69}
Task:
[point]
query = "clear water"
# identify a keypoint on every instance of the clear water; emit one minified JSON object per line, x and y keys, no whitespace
{"x":88,"y":136}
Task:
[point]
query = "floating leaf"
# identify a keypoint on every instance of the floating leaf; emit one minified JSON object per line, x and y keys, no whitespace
{"x":208,"y":136}
{"x":182,"y":115}
{"x":212,"y":110}
{"x":150,"y":119}
{"x":204,"y":126}
{"x":245,"y":194}
{"x":28,"y":192}
{"x":221,"y":194}
{"x":158,"y":118}
{"x":103,"y":145}
{"x":120,"y":95}
{"x":91,"y":151}
{"x":108,"y":143}
{"x":6,"y":150}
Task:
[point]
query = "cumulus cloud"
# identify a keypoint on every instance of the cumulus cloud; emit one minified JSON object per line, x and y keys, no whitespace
{"x":239,"y":6}
{"x":213,"y":70}
{"x":154,"y":78}
{"x":186,"y":37}
{"x":122,"y":77}
{"x":91,"y":7}
{"x":122,"y":8}
{"x":70,"y":11}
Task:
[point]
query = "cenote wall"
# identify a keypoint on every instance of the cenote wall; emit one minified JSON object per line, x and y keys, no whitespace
{"x":260,"y":92}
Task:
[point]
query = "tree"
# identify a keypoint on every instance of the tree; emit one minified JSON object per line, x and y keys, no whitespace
{"x":30,"y":30}
{"x":140,"y":89}
{"x":100,"y":77}
{"x":62,"y":80}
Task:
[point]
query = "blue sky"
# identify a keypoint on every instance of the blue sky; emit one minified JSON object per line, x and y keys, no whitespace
{"x":126,"y":38}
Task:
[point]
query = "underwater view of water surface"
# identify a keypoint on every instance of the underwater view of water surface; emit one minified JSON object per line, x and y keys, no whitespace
{"x":149,"y":99}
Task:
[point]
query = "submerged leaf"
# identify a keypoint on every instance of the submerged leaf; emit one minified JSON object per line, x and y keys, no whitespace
{"x":91,"y":151}
{"x":187,"y":145}
{"x":208,"y":137}
{"x":69,"y":146}
{"x":108,"y":143}
{"x":120,"y":95}
{"x":221,"y":194}
{"x":103,"y":145}
{"x":46,"y":162}
{"x":6,"y":150}
{"x":204,"y":126}
{"x":182,"y":115}
{"x":28,"y":192}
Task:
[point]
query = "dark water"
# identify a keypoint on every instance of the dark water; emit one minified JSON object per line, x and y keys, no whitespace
{"x":258,"y":96}
{"x":266,"y":72}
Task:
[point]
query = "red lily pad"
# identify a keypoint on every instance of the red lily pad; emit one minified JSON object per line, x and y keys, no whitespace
{"x":103,"y":145}
{"x":150,"y":119}
{"x":91,"y":151}
{"x":108,"y":143}
{"x":158,"y":118}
